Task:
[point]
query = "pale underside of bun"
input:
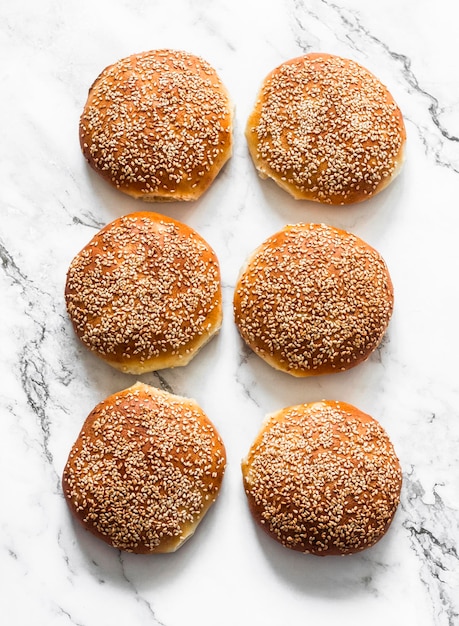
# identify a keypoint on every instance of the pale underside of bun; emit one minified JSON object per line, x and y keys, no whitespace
{"x":327,"y":130}
{"x":145,"y":294}
{"x":144,"y":470}
{"x":323,"y":478}
{"x":313,"y":299}
{"x":158,"y":125}
{"x":181,"y":358}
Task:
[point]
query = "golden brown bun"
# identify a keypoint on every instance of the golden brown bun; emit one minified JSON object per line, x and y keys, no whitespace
{"x":325,"y":129}
{"x":313,"y":299}
{"x":323,"y":478}
{"x":144,"y":294}
{"x":144,"y":470}
{"x":158,"y":125}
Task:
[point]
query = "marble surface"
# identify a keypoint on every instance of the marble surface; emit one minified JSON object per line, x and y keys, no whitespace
{"x":54,"y":573}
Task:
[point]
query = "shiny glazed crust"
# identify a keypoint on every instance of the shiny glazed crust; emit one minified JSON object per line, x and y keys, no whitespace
{"x":323,"y":478}
{"x":313,"y":299}
{"x":158,"y":125}
{"x":144,"y":294}
{"x":144,"y":470}
{"x":325,"y":129}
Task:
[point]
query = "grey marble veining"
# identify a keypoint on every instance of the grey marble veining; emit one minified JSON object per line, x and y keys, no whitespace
{"x":51,"y":571}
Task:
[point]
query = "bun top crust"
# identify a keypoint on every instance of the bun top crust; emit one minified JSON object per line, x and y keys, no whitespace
{"x":158,"y":125}
{"x":313,"y":299}
{"x":144,"y":470}
{"x":323,"y":478}
{"x":144,"y":294}
{"x":325,"y":129}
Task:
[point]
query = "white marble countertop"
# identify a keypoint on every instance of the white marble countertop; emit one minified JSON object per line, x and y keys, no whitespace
{"x":53,"y":572}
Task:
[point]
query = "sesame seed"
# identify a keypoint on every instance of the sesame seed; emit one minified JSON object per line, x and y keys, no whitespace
{"x":158,"y":125}
{"x":323,"y":478}
{"x":145,"y":468}
{"x":313,"y":299}
{"x":326,"y":130}
{"x":145,"y":293}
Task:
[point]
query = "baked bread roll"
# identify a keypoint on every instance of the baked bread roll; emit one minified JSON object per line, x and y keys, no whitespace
{"x":325,"y":129}
{"x":323,"y":478}
{"x":313,"y":299}
{"x":158,"y":125}
{"x":144,"y":294}
{"x":145,"y":468}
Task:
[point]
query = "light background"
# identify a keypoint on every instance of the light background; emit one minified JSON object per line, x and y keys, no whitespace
{"x":52,"y":572}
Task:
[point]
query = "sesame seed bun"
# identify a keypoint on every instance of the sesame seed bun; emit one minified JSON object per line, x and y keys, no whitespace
{"x":325,"y":129}
{"x":323,"y":478}
{"x":144,"y":294}
{"x":144,"y":470}
{"x":313,"y":299}
{"x":158,"y":125}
